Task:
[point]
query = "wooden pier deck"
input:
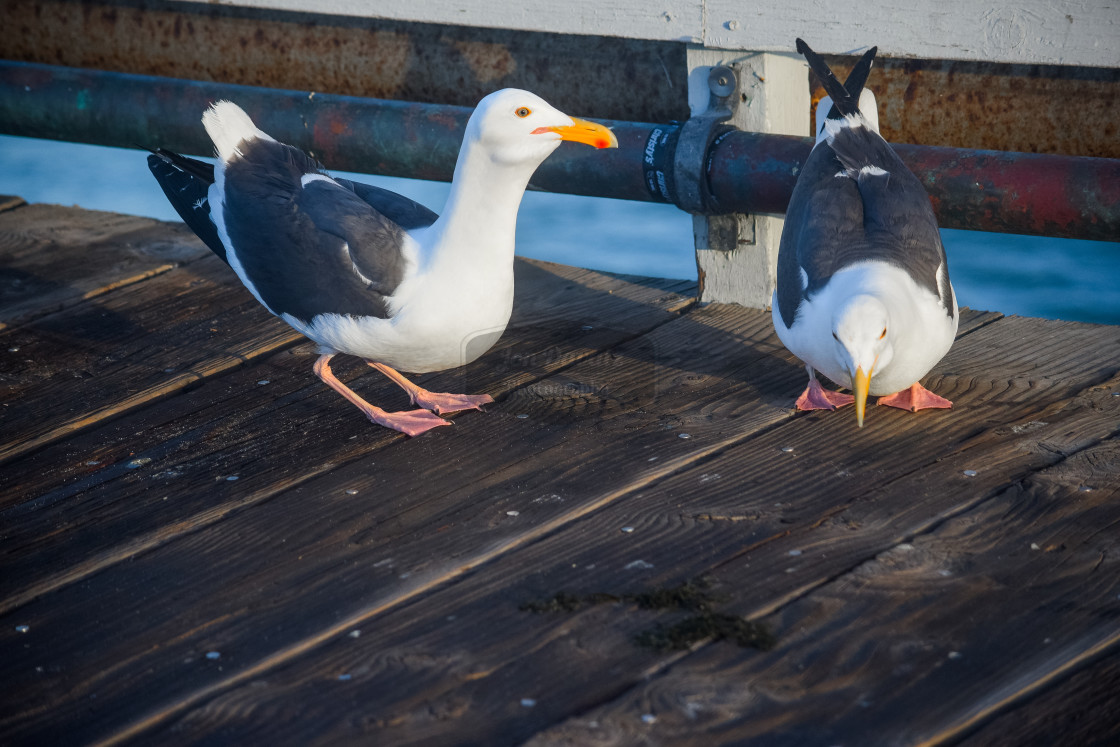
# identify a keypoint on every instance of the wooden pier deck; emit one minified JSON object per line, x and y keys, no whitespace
{"x":200,"y":543}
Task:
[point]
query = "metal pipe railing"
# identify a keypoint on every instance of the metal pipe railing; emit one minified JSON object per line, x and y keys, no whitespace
{"x":1073,"y":197}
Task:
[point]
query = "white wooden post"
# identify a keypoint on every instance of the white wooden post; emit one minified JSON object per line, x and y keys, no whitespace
{"x":737,"y":255}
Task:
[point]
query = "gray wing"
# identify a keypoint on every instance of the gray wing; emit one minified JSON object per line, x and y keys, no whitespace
{"x":313,"y":249}
{"x":842,"y":212}
{"x":406,"y":213}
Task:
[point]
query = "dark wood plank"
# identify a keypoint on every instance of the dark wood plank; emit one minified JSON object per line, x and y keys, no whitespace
{"x":918,"y":644}
{"x":94,"y":361}
{"x":407,"y":685}
{"x":143,"y":479}
{"x":465,"y":492}
{"x":1081,"y":711}
{"x":54,"y":257}
{"x":695,"y":382}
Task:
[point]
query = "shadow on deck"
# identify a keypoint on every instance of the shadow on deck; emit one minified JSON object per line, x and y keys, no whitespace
{"x":200,"y":542}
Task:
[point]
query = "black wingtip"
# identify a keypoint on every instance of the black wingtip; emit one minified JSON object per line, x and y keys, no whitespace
{"x":845,"y":96}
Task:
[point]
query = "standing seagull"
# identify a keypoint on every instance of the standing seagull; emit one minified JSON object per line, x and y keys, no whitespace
{"x":364,"y":271}
{"x":863,"y":290}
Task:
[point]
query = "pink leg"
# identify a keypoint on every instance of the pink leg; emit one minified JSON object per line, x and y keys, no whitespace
{"x":412,"y":423}
{"x":437,"y":402}
{"x":816,"y":397}
{"x":914,"y":398}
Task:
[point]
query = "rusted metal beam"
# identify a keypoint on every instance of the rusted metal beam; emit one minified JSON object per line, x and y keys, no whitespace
{"x":746,"y":172}
{"x":627,"y":79}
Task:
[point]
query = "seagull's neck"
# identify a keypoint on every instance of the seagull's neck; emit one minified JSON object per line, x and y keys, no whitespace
{"x":479,"y":220}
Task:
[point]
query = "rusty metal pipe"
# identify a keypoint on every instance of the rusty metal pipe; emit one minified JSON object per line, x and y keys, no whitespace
{"x":1061,"y":196}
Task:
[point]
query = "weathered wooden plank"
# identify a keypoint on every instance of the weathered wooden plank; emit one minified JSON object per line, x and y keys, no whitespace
{"x":319,"y":521}
{"x":467,"y":678}
{"x":53,"y":257}
{"x":11,"y":202}
{"x":1080,"y":710}
{"x":139,"y":344}
{"x":577,"y":471}
{"x":462,"y":665}
{"x":181,"y":449}
{"x":920,"y":643}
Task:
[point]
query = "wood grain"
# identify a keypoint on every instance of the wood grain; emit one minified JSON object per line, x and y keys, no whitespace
{"x":919,"y":643}
{"x":121,"y":350}
{"x":507,"y":650}
{"x":54,"y":257}
{"x":354,"y":585}
{"x":580,"y":478}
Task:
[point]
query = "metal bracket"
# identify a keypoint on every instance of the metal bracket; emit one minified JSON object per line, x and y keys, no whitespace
{"x":690,"y":161}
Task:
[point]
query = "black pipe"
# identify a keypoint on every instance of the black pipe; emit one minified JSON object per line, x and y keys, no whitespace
{"x":745,"y":171}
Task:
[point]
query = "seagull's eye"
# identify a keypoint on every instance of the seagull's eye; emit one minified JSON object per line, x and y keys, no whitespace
{"x":884,"y":333}
{"x":834,"y":337}
{"x":523,"y":112}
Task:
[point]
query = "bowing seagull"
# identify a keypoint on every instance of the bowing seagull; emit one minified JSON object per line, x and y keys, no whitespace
{"x":863,"y":293}
{"x":364,"y":271}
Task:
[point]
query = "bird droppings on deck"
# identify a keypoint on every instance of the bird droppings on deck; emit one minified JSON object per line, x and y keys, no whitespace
{"x":970,"y":473}
{"x":528,"y":702}
{"x":786,"y":449}
{"x":213,"y":655}
{"x":638,"y":565}
{"x":550,"y":498}
{"x":627,"y":530}
{"x":649,"y":718}
{"x":138,"y":462}
{"x":344,"y":677}
{"x":351,"y":491}
{"x":683,"y":435}
{"x":23,"y":628}
{"x":355,"y":633}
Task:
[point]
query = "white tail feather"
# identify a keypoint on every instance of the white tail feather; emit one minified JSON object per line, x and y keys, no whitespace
{"x":228,"y":126}
{"x":868,"y":107}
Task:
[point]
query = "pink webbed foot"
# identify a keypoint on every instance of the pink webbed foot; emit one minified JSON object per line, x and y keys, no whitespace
{"x":437,"y":402}
{"x":411,"y":422}
{"x":816,"y":397}
{"x":914,"y":398}
{"x":441,"y":402}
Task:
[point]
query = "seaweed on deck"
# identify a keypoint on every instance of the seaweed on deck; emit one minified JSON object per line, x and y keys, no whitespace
{"x":694,"y":596}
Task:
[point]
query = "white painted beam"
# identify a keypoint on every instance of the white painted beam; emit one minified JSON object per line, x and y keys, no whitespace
{"x":776,"y":90}
{"x":1055,"y":32}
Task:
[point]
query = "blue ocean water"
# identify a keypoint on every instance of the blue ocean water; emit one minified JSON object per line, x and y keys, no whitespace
{"x":1025,"y":275}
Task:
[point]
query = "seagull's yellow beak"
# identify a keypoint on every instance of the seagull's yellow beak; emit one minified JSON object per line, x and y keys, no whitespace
{"x":582,"y":131}
{"x":861,"y":382}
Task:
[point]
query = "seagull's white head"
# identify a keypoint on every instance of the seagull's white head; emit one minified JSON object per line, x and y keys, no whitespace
{"x":862,"y":331}
{"x":518,"y":127}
